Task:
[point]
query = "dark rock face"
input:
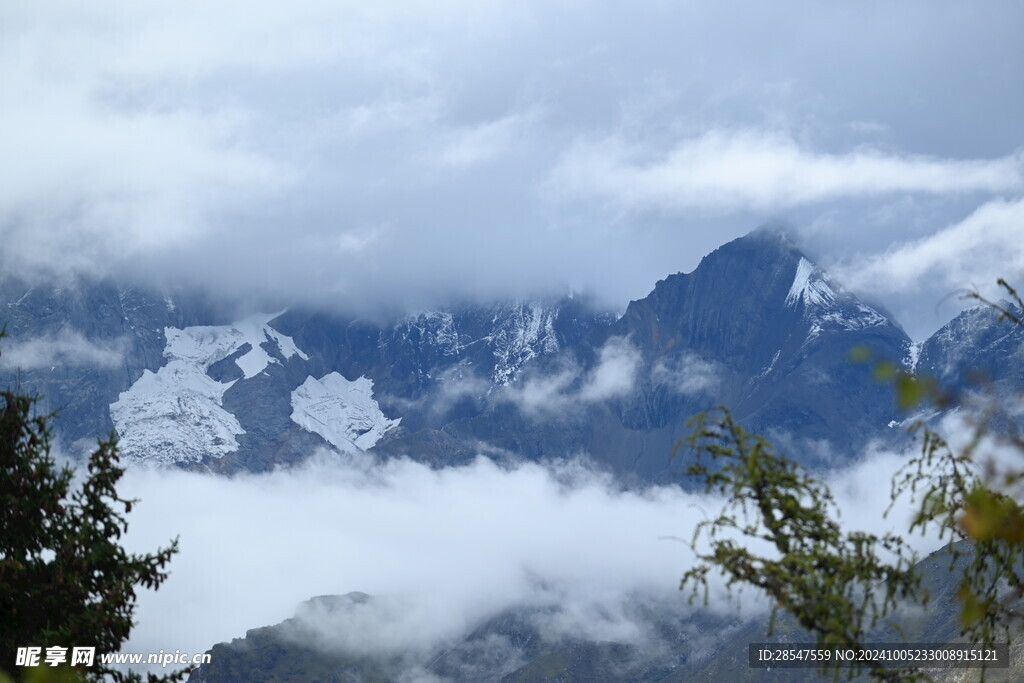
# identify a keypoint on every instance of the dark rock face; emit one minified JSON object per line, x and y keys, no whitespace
{"x":779,"y":333}
{"x":756,"y":326}
{"x":435,"y":367}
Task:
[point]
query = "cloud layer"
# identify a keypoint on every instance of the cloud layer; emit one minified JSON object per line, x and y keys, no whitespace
{"x":567,"y":389}
{"x":392,"y":155}
{"x":972,"y":253}
{"x":64,"y":349}
{"x":726,"y":170}
{"x":443,"y":549}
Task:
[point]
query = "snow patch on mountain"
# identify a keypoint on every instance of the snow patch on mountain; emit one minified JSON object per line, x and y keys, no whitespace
{"x":202,"y":346}
{"x":523,"y":332}
{"x":855,"y":315}
{"x":913,"y":356}
{"x":343,"y":412}
{"x":771,"y":365}
{"x":827,"y":307}
{"x":810,"y":285}
{"x":176,"y":413}
{"x":437,"y":329}
{"x":256,"y":331}
{"x":975,"y":334}
{"x":965,"y":330}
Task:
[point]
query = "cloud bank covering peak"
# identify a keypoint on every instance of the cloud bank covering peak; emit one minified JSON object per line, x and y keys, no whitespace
{"x":396,"y":155}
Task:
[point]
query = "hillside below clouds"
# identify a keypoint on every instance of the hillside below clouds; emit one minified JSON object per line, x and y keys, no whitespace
{"x":756,"y":326}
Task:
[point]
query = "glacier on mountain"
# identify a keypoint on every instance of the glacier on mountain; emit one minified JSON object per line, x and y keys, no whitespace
{"x":826,"y":307}
{"x":810,"y":286}
{"x":341,"y":411}
{"x":175,"y":414}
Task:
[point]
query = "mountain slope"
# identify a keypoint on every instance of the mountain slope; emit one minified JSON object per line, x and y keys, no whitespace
{"x":757,"y":326}
{"x":974,"y":348}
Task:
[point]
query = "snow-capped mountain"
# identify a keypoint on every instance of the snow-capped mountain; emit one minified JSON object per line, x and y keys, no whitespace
{"x":181,"y":386}
{"x":972,"y":348}
{"x":757,"y":326}
{"x":176,"y":414}
{"x":824,"y":306}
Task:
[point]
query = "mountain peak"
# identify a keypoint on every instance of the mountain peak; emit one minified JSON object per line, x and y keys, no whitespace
{"x":797,"y":282}
{"x":766,"y":249}
{"x":811,"y":285}
{"x":772,"y":232}
{"x":748,"y":299}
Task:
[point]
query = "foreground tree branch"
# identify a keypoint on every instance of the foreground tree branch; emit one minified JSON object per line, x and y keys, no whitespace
{"x":835,"y":584}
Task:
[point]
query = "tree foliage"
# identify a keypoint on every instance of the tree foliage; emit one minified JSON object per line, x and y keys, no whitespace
{"x":969,"y":495}
{"x":834,"y":584}
{"x":65,"y":579}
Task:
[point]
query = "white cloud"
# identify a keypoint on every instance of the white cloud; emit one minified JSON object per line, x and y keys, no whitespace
{"x":95,"y":183}
{"x":615,"y":373}
{"x":543,"y":394}
{"x":451,"y":387}
{"x":870,"y":128}
{"x":481,"y":538}
{"x":727,"y":170}
{"x":686,"y":374}
{"x":482,"y":142}
{"x":568,"y":388}
{"x":66,"y":348}
{"x":976,"y":251}
{"x":441,"y":549}
{"x":241,"y":146}
{"x":359,"y":240}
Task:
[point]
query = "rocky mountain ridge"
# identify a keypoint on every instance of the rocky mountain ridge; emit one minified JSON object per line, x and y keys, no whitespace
{"x":756,"y":326}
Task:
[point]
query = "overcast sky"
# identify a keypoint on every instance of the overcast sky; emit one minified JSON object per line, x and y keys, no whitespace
{"x":381,"y":153}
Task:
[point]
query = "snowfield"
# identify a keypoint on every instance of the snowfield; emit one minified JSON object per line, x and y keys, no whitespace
{"x":175,"y":414}
{"x":343,"y":412}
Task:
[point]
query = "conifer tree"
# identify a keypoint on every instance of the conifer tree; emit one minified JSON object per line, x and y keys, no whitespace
{"x":65,"y":579}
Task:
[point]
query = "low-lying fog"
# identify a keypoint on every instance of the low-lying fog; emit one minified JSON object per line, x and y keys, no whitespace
{"x":451,"y":546}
